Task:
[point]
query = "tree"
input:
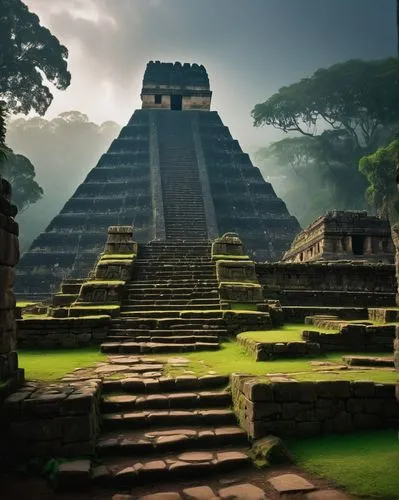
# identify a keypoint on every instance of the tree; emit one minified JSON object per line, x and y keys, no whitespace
{"x":379,"y":169}
{"x":318,"y":173}
{"x":20,"y":173}
{"x":30,"y":58}
{"x":3,"y":150}
{"x":357,"y":96}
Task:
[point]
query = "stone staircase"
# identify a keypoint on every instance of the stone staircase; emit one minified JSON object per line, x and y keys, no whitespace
{"x":166,"y":429}
{"x":183,"y":204}
{"x":171,"y":304}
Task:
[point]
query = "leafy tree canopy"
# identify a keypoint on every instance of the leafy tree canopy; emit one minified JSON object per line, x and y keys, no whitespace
{"x":357,"y":96}
{"x":30,"y":58}
{"x":379,"y":169}
{"x":20,"y":173}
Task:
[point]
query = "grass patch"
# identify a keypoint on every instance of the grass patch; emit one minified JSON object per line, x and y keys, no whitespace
{"x":287,"y":333}
{"x":238,"y":306}
{"x":119,"y":256}
{"x":34,"y":316}
{"x":54,"y":364}
{"x":232,"y":358}
{"x":242,"y":284}
{"x":365,"y":464}
{"x":21,"y":303}
{"x":103,"y":283}
{"x":380,"y":376}
{"x":76,"y":305}
{"x":230,"y":257}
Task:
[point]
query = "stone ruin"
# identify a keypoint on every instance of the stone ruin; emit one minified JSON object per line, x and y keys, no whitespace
{"x":343,"y":235}
{"x":10,"y":375}
{"x":138,"y":180}
{"x":175,"y":291}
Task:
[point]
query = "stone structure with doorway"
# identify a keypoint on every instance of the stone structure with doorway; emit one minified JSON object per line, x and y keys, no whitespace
{"x":177,"y":87}
{"x":343,"y":235}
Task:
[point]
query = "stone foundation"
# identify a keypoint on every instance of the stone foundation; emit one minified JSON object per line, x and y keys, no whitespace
{"x":297,"y":314}
{"x":58,"y":420}
{"x":354,"y":338}
{"x":264,"y":351}
{"x":294,"y":408}
{"x":241,"y":321}
{"x":52,"y":333}
{"x":337,"y":284}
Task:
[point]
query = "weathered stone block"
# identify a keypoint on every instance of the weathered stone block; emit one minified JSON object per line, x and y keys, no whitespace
{"x":258,"y":391}
{"x":228,"y":244}
{"x":236,"y":272}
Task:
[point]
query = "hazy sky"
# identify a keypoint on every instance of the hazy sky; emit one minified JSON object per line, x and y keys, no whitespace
{"x":250,"y":48}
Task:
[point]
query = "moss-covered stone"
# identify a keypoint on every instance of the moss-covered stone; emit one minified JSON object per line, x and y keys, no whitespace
{"x":270,"y":450}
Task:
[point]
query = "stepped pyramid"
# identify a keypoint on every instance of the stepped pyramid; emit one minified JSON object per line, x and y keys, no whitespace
{"x":175,"y":174}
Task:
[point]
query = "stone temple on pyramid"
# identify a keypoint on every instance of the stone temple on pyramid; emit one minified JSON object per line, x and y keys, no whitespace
{"x":174,"y":174}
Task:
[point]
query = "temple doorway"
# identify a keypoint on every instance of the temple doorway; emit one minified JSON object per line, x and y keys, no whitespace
{"x":176,"y":102}
{"x":358,"y":245}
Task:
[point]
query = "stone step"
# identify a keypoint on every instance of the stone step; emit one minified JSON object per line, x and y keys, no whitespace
{"x":181,"y":306}
{"x":170,"y":293}
{"x":185,"y":285}
{"x":152,"y":347}
{"x":182,"y":339}
{"x":174,"y":322}
{"x":172,"y":281}
{"x":387,"y":362}
{"x":161,"y":440}
{"x":180,"y":272}
{"x":134,"y":332}
{"x":128,"y":472}
{"x":166,"y":418}
{"x":123,"y":403}
{"x":182,"y":383}
{"x":175,"y":264}
{"x":161,"y":301}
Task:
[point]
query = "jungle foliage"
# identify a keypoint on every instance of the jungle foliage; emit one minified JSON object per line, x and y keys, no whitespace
{"x":338,"y":115}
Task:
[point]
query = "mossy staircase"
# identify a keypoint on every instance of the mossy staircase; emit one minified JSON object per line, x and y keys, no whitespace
{"x":172,"y":302}
{"x":167,"y":429}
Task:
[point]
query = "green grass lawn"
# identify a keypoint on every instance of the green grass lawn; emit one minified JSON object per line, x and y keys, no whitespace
{"x":287,"y":333}
{"x":366,"y":464}
{"x":54,"y":364}
{"x":232,"y":358}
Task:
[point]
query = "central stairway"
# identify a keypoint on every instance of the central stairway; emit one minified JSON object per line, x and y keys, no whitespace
{"x":171,"y":304}
{"x":155,"y":427}
{"x":183,"y":204}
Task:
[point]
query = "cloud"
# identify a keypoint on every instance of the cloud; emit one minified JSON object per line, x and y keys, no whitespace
{"x":250,"y":48}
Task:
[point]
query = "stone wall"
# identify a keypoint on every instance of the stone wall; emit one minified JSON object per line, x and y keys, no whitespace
{"x":58,"y":420}
{"x":263,"y":351}
{"x":328,"y":284}
{"x":52,"y":333}
{"x":354,"y":338}
{"x":294,"y":408}
{"x":9,"y":256}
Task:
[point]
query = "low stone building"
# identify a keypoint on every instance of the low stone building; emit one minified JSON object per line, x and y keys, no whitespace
{"x":343,"y":235}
